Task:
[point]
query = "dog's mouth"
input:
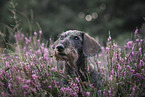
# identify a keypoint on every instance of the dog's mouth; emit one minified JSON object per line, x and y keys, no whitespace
{"x":62,"y":54}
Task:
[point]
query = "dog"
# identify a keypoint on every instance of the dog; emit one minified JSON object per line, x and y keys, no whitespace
{"x":74,"y":47}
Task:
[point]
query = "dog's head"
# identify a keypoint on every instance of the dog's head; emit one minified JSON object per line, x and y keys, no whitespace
{"x":72,"y":43}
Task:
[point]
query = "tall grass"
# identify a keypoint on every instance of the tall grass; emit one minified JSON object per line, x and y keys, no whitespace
{"x":29,"y":70}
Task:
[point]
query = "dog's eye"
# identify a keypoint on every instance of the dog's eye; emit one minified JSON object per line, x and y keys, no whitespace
{"x":61,"y":37}
{"x":76,"y":38}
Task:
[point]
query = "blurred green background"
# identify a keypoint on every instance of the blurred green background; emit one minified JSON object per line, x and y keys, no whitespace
{"x":97,"y":17}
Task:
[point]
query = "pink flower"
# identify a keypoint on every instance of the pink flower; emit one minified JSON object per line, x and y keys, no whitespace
{"x":134,"y":88}
{"x":128,"y":67}
{"x":16,"y":37}
{"x":114,"y":44}
{"x":109,"y":91}
{"x":25,"y":86}
{"x":75,"y":94}
{"x":10,"y":85}
{"x":107,"y":48}
{"x":28,"y":81}
{"x":109,"y":38}
{"x":140,"y":49}
{"x":88,"y":93}
{"x":143,"y":71}
{"x":77,"y":80}
{"x":136,"y":31}
{"x":137,"y":39}
{"x":38,"y":40}
{"x":54,"y":69}
{"x":22,"y":35}
{"x":18,"y":77}
{"x":27,"y":41}
{"x":34,"y":76}
{"x":130,"y":44}
{"x":40,"y":32}
{"x":141,"y":63}
{"x":35,"y":33}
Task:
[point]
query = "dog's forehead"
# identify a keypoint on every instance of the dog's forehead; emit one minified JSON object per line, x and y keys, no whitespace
{"x":71,"y":32}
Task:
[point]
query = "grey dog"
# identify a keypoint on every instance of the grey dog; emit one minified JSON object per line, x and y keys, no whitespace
{"x":74,"y":47}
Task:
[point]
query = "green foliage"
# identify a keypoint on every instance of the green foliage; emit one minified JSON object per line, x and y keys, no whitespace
{"x":56,"y":16}
{"x":28,"y":69}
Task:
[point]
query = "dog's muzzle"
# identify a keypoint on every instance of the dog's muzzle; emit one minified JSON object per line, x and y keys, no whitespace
{"x":60,"y":53}
{"x":60,"y":47}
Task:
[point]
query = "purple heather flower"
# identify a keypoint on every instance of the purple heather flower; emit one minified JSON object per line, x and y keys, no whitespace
{"x":35,"y":33}
{"x":40,"y":32}
{"x":62,"y":89}
{"x":27,"y":41}
{"x":18,"y":77}
{"x":121,"y":59}
{"x":77,"y":79}
{"x":91,"y":85}
{"x":3,"y":93}
{"x":134,"y":88}
{"x":133,"y":53}
{"x":119,"y":49}
{"x":75,"y":94}
{"x":128,"y":67}
{"x":140,"y":49}
{"x":107,"y":48}
{"x":100,"y":91}
{"x":137,"y":75}
{"x":109,"y":38}
{"x":115,"y":45}
{"x":25,"y":86}
{"x":104,"y":93}
{"x":143,"y":71}
{"x":137,"y":39}
{"x":2,"y":83}
{"x":88,"y":93}
{"x":22,"y":36}
{"x":109,"y":91}
{"x":9,"y":85}
{"x":28,"y":81}
{"x":54,"y":69}
{"x":141,"y":63}
{"x":111,"y":77}
{"x":141,"y":40}
{"x":34,"y":76}
{"x":16,"y":37}
{"x":130,"y":44}
{"x":136,"y":31}
{"x":42,"y":44}
{"x":139,"y":43}
{"x":38,"y":40}
{"x":117,"y":85}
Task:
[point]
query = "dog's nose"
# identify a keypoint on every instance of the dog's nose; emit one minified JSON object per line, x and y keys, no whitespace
{"x":60,"y":47}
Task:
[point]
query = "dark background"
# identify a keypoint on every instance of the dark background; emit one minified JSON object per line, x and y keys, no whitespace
{"x":97,"y":17}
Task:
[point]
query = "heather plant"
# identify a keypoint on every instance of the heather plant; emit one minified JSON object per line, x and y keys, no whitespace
{"x":29,"y":69}
{"x":124,"y":74}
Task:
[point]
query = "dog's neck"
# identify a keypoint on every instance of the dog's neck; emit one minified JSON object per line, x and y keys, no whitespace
{"x":78,"y":67}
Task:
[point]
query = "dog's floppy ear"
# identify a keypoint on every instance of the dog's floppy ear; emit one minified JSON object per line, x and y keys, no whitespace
{"x":90,"y":45}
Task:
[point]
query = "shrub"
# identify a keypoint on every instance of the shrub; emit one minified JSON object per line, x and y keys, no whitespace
{"x":30,"y":70}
